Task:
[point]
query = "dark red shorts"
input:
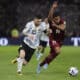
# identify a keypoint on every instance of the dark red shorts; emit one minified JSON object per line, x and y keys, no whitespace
{"x":53,"y":45}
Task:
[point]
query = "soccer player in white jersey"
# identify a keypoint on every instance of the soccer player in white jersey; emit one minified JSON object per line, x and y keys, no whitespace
{"x":32,"y":32}
{"x":43,"y":39}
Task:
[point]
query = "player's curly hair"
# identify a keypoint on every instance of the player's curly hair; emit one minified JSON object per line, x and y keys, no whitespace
{"x":38,"y":16}
{"x":56,"y":13}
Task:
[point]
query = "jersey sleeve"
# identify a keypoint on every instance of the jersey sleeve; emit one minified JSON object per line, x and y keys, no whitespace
{"x":27,"y":28}
{"x":43,"y":27}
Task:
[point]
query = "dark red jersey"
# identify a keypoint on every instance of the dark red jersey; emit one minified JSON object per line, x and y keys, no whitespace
{"x":57,"y":34}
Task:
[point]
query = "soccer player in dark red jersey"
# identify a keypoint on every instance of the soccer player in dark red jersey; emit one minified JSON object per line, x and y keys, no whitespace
{"x":56,"y":36}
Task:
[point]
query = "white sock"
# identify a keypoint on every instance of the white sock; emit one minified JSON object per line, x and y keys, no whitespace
{"x":19,"y":64}
{"x":39,"y":56}
{"x":45,"y":66}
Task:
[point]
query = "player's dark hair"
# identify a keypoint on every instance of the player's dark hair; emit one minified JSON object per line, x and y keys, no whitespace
{"x":38,"y":16}
{"x":55,"y":1}
{"x":56,"y":13}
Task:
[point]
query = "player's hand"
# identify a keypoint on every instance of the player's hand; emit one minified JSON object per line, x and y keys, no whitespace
{"x":54,"y":24}
{"x":55,"y":4}
{"x":31,"y":36}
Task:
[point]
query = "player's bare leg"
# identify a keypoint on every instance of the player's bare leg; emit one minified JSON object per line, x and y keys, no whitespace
{"x":20,"y":61}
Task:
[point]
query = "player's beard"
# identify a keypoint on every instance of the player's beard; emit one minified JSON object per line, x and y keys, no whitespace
{"x":36,"y":25}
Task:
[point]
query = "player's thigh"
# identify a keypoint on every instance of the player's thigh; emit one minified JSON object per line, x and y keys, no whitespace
{"x":55,"y":46}
{"x":25,"y":62}
{"x":21,"y":50}
{"x":22,"y":53}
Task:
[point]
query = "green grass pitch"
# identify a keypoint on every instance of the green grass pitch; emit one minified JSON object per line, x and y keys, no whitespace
{"x":57,"y":70}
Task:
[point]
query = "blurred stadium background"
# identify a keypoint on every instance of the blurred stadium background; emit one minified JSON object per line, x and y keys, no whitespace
{"x":14,"y":14}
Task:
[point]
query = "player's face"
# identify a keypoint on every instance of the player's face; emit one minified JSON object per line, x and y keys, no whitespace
{"x":56,"y":19}
{"x":37,"y":22}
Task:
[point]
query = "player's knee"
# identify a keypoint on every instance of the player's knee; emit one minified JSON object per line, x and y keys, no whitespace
{"x":25,"y":62}
{"x":40,"y":47}
{"x":57,"y":50}
{"x":22,"y":53}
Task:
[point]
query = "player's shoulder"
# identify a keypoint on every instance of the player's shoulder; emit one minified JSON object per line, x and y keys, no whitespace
{"x":42,"y":24}
{"x":30,"y":23}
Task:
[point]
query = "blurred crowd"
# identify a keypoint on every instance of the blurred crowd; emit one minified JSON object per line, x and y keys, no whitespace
{"x":15,"y":14}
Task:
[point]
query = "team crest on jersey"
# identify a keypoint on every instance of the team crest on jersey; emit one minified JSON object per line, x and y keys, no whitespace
{"x":57,"y":31}
{"x":33,"y":31}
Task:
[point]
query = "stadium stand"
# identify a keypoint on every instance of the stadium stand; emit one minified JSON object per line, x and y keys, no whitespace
{"x":15,"y":14}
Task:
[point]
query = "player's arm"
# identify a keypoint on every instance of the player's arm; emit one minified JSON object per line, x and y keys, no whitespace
{"x":60,"y":26}
{"x":51,"y":12}
{"x":26,"y":31}
{"x":45,"y":29}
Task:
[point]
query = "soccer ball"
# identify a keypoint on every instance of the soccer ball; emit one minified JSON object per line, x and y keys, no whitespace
{"x":73,"y":71}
